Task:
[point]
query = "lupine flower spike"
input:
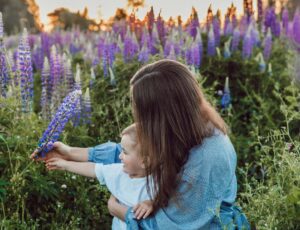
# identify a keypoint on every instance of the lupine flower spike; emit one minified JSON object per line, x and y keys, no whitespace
{"x":296,"y":27}
{"x":87,"y":107}
{"x":227,"y":52}
{"x":211,"y":46}
{"x":78,"y":108}
{"x":226,"y":99}
{"x":3,"y":64}
{"x":261,"y":62}
{"x":1,"y":28}
{"x":93,"y":78}
{"x":268,"y":45}
{"x":112,"y":77}
{"x":26,"y":75}
{"x":64,"y":113}
{"x":247,"y":44}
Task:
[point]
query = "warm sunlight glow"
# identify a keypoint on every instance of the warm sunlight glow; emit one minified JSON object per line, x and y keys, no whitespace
{"x":101,"y":9}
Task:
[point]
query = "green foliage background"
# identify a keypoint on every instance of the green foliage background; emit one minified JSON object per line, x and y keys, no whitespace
{"x":264,"y":120}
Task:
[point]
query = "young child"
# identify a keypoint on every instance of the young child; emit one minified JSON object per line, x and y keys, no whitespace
{"x":126,"y":181}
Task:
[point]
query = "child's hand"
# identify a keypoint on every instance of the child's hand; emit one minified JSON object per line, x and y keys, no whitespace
{"x":56,"y":163}
{"x":60,"y":150}
{"x":143,"y":209}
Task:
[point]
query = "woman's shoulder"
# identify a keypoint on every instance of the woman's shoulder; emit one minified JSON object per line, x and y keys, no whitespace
{"x":214,"y":146}
{"x":214,"y":153}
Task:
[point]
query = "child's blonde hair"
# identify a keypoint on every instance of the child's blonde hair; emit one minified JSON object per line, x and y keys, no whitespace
{"x":131,"y":131}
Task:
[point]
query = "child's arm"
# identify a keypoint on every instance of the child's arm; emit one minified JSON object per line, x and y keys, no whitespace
{"x":143,"y":209}
{"x":82,"y":168}
{"x":116,"y":209}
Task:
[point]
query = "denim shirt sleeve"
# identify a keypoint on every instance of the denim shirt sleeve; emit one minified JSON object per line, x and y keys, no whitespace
{"x":107,"y":153}
{"x":143,"y":224}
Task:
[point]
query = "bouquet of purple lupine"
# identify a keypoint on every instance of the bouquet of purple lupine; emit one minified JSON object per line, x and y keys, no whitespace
{"x":64,"y":113}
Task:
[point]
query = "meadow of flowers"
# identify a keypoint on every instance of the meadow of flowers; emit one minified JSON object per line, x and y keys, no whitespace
{"x":73,"y":86}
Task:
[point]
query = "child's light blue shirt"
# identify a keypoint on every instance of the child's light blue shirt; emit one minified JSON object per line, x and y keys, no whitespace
{"x":128,"y":191}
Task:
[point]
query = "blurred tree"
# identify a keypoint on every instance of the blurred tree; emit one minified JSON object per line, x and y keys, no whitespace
{"x":135,"y":4}
{"x":18,"y":14}
{"x":291,"y":4}
{"x":62,"y":18}
{"x":120,"y":14}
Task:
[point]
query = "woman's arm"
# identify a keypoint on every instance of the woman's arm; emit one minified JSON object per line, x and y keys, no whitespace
{"x":63,"y":151}
{"x":126,"y":214}
{"x":106,"y":153}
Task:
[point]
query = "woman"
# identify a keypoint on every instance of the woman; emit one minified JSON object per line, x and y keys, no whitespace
{"x":186,"y":152}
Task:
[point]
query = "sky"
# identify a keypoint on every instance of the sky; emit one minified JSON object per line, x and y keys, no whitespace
{"x":103,"y":9}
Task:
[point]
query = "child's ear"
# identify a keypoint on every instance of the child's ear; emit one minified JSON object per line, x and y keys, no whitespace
{"x":143,"y":165}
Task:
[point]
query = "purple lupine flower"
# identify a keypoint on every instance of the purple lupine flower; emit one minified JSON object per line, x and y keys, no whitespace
{"x":259,"y":10}
{"x":290,"y":33}
{"x":3,"y":73}
{"x":26,"y":75}
{"x":75,"y":47}
{"x":64,"y":113}
{"x":105,"y":61}
{"x":226,"y":98}
{"x":229,"y":29}
{"x":1,"y":28}
{"x":247,"y":44}
{"x":216,"y":27}
{"x":46,"y":44}
{"x":243,"y":25}
{"x":285,"y":20}
{"x":211,"y":46}
{"x":268,"y":45}
{"x":3,"y":67}
{"x":37,"y":57}
{"x":270,"y":16}
{"x":45,"y":80}
{"x":226,"y":22}
{"x":296,"y":27}
{"x":255,"y":37}
{"x":194,"y":24}
{"x":188,"y":56}
{"x":235,"y":39}
{"x":111,"y":50}
{"x":234,"y":21}
{"x":277,"y":28}
{"x":57,"y":79}
{"x":155,"y":42}
{"x":100,"y":47}
{"x":198,"y":40}
{"x":160,"y":23}
{"x":167,"y":47}
{"x":195,"y":53}
{"x":144,"y":53}
{"x":87,"y":107}
{"x":172,"y":54}
{"x":130,"y":46}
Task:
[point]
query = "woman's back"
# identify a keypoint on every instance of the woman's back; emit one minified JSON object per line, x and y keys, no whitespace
{"x":208,"y":179}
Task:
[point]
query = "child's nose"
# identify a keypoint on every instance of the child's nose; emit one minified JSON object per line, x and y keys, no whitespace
{"x":120,"y":155}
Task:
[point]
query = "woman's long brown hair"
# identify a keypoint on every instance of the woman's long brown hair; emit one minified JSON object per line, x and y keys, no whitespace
{"x":172,"y":116}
